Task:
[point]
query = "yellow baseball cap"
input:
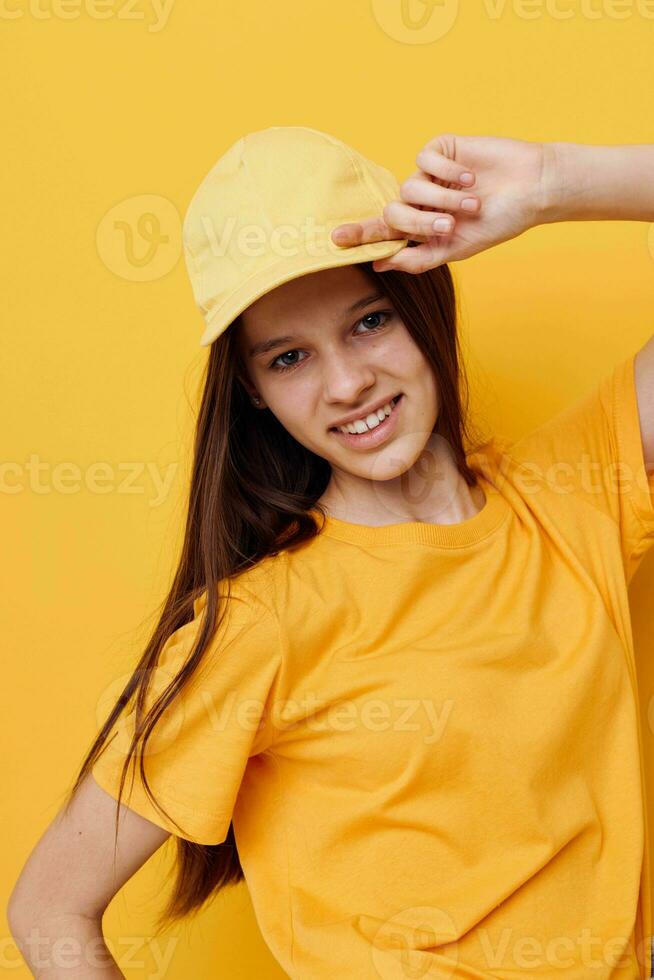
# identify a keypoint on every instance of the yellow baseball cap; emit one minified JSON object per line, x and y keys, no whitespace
{"x":264,"y":214}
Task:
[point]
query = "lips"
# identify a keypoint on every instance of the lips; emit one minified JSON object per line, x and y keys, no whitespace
{"x":371,"y":439}
{"x":392,"y":401}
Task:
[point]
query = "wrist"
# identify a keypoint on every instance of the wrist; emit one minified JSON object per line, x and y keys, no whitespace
{"x":586,"y":182}
{"x":550,"y":195}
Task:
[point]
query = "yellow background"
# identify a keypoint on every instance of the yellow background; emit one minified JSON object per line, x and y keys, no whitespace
{"x":116,"y":112}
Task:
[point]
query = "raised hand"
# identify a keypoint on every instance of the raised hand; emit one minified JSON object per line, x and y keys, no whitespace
{"x":511,"y":181}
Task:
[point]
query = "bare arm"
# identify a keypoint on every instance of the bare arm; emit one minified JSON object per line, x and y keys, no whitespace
{"x":69,"y":880}
{"x":594,"y":183}
{"x":515,"y":185}
{"x":65,"y":947}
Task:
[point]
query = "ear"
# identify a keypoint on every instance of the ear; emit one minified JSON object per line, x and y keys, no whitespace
{"x":249,"y":388}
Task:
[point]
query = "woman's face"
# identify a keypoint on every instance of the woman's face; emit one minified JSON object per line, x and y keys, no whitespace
{"x":332,"y":351}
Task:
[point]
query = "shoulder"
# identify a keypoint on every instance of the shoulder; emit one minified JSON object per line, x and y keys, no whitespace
{"x":241,"y":647}
{"x":254,"y":587}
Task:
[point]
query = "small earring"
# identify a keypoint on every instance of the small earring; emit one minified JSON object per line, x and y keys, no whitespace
{"x":256,"y":400}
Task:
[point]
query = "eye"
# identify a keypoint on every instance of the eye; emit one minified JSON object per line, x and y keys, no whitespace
{"x":281,"y":367}
{"x":384,"y":313}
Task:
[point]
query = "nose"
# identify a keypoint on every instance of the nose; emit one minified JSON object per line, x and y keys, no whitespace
{"x":345,"y":379}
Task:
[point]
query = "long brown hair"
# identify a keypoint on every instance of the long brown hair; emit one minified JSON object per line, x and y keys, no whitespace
{"x":251,"y":487}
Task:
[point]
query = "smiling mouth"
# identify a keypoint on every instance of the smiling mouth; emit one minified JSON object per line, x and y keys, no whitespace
{"x":393,"y":403}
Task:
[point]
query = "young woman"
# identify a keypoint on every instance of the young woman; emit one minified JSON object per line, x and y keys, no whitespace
{"x":393,"y":683}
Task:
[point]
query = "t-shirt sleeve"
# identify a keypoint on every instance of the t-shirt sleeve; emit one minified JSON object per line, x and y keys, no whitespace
{"x":198,"y":751}
{"x":591,"y":455}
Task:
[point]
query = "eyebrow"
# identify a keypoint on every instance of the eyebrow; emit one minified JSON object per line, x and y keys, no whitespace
{"x":265,"y":346}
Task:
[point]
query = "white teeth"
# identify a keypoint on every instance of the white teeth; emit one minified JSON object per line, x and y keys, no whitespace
{"x":370,"y":422}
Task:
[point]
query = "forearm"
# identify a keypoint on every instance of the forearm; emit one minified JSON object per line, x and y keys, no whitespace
{"x":66,"y":947}
{"x":594,"y":183}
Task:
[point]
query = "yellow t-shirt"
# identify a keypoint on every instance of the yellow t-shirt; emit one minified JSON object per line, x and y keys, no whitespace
{"x":427,"y":736}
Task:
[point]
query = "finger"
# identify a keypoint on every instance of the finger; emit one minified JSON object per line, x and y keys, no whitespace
{"x":420,"y":189}
{"x":411,"y":221}
{"x":429,"y":255}
{"x":360,"y":232}
{"x":349,"y":239}
{"x":439,"y":165}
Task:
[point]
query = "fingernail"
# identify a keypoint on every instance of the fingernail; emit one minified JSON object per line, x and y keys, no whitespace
{"x":466,"y":178}
{"x":469,"y":204}
{"x":442,"y":224}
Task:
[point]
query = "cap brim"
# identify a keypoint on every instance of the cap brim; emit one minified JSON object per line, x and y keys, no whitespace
{"x":290,"y":268}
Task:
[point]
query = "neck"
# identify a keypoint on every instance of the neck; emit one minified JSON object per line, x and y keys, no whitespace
{"x":440,"y":497}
